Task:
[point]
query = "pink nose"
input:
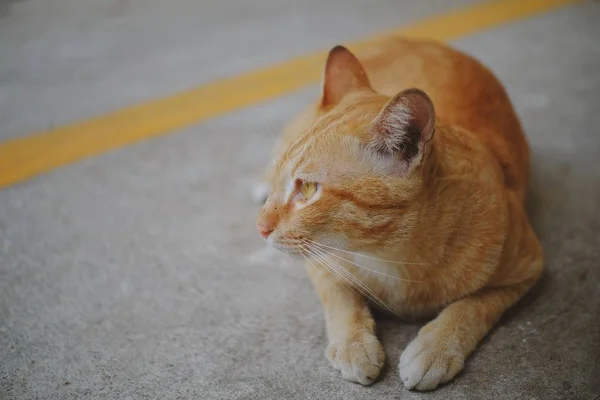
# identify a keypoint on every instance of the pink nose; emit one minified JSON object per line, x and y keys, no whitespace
{"x":264,"y":230}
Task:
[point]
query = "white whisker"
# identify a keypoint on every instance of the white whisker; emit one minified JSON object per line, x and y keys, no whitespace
{"x":349,"y":277}
{"x":365,"y":256}
{"x":369,"y":269}
{"x":332,"y":271}
{"x":341,"y":272}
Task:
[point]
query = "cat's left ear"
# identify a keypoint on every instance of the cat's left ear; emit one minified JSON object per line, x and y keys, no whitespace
{"x":343,"y":73}
{"x":404,"y":128}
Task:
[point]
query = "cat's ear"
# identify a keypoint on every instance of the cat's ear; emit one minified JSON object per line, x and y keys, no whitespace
{"x":343,"y":74}
{"x":404,"y":128}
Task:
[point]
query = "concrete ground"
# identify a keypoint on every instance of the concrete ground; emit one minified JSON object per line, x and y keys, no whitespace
{"x":138,"y":273}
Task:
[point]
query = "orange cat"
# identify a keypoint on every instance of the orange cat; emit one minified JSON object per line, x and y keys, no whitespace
{"x":408,"y":199}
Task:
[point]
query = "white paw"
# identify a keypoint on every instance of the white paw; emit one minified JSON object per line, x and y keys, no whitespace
{"x":260,"y":192}
{"x":429,"y":361}
{"x":358,"y":357}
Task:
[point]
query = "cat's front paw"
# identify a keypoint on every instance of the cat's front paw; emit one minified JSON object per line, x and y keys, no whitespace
{"x":359,"y":357}
{"x":429,"y":361}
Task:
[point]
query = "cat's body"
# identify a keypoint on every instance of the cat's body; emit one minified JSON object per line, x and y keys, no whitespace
{"x":361,"y":177}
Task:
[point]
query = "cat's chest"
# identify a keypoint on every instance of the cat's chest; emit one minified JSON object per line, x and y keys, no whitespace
{"x":376,"y":272}
{"x":390,"y":284}
{"x":380,"y":278}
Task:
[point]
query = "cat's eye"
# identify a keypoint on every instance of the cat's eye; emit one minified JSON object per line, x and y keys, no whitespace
{"x":308,"y":189}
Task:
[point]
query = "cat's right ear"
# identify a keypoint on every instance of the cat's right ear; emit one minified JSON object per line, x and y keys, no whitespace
{"x":404,"y":129}
{"x":343,"y":74}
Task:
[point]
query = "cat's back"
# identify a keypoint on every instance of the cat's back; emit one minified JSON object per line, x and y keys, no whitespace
{"x":463,"y":91}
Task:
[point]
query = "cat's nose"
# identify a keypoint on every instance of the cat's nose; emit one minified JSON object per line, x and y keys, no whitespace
{"x":265,"y":229}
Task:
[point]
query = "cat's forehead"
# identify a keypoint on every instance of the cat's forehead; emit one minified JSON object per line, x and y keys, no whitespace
{"x":330,"y":147}
{"x":322,"y":158}
{"x":301,"y":157}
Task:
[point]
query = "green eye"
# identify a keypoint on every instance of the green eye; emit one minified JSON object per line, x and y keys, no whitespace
{"x":308,"y":189}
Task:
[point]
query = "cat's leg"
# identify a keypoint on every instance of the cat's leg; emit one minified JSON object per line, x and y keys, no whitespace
{"x":353,"y":348}
{"x":442,"y":346}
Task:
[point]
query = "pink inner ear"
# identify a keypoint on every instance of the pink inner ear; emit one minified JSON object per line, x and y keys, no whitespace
{"x":343,"y":73}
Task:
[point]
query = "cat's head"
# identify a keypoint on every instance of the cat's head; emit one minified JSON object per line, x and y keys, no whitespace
{"x":351,"y":178}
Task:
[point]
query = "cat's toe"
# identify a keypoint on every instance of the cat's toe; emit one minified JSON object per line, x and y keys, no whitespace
{"x":358,"y":357}
{"x":260,"y":192}
{"x":428,"y":361}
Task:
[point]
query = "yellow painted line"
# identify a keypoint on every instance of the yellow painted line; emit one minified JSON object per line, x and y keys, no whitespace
{"x":28,"y":156}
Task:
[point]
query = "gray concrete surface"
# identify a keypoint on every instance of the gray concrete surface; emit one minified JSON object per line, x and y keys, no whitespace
{"x":139,"y":274}
{"x":69,"y":59}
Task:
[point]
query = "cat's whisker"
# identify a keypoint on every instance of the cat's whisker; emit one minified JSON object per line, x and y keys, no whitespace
{"x":352,"y":282}
{"x":349,"y":277}
{"x":370,"y":269}
{"x":365,"y":256}
{"x":331,"y":271}
{"x":334,"y":270}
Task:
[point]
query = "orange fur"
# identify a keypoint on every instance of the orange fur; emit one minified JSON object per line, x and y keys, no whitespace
{"x":420,"y":207}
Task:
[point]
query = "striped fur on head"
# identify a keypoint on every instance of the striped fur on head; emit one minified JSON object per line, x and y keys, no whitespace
{"x":363,"y":149}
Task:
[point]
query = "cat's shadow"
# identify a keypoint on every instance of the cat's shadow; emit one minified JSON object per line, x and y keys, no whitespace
{"x":544,"y":212}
